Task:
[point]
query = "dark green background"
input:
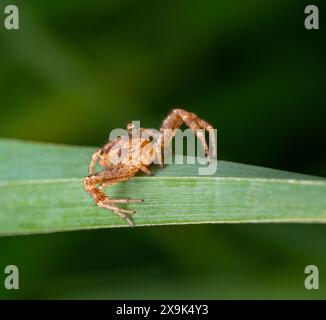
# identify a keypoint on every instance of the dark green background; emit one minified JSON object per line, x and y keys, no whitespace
{"x":77,"y":69}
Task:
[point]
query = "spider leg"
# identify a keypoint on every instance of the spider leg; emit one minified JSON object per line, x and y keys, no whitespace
{"x":103,"y":201}
{"x":146,"y":170}
{"x":122,"y":213}
{"x":179,"y":116}
{"x":126,"y":200}
{"x":93,"y":162}
{"x":193,"y":125}
{"x":209,"y":128}
{"x":158,"y":150}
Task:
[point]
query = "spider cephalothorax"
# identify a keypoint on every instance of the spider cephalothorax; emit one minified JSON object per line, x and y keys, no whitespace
{"x":123,"y":157}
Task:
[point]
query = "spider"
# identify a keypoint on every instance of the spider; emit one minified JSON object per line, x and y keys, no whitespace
{"x":137,"y":154}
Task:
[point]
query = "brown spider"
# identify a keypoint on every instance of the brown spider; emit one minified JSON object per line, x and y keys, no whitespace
{"x":137,"y":154}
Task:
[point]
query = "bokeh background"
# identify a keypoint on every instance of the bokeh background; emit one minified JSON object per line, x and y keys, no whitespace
{"x":77,"y":69}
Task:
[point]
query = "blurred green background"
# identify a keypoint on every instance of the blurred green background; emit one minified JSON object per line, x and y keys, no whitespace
{"x":77,"y":69}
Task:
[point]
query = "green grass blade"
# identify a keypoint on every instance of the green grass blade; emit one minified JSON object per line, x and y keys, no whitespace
{"x":41,"y":191}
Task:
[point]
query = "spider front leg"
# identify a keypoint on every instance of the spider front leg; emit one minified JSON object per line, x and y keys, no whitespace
{"x":102,"y":200}
{"x":174,"y":121}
